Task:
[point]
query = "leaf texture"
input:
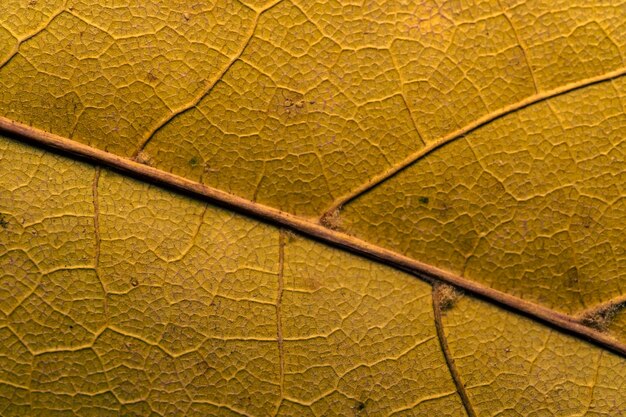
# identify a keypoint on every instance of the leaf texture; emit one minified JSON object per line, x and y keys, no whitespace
{"x":479,"y":144}
{"x":533,"y":203}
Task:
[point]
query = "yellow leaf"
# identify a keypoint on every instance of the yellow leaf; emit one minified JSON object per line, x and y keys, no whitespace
{"x":312,"y":208}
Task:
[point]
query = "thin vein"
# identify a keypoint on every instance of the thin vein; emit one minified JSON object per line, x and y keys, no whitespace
{"x":404,"y":99}
{"x":443,"y":342}
{"x":459,"y":133}
{"x":96,"y":228}
{"x":31,"y":35}
{"x":279,"y":323}
{"x":594,"y":383}
{"x":427,"y":272}
{"x":521,"y":45}
{"x":208,"y":87}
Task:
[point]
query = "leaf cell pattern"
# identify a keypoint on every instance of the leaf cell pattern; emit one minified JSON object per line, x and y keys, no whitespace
{"x":483,"y":139}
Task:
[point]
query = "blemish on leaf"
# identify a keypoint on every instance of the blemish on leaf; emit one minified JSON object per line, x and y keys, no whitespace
{"x":448,"y":296}
{"x":360,"y":406}
{"x":143,"y":158}
{"x":423,"y":199}
{"x":572,"y":276}
{"x":292,"y":104}
{"x":3,"y":221}
{"x":134,"y":282}
{"x":601,"y":318}
{"x":151,"y":77}
{"x":193,"y":161}
{"x":331,"y":220}
{"x":290,"y":235}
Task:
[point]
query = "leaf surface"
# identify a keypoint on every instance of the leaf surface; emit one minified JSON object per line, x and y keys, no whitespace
{"x":479,"y":144}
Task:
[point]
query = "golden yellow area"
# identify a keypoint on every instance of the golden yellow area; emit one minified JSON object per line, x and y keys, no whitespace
{"x":492,"y":133}
{"x":532,"y":204}
{"x":291,"y":103}
{"x":512,"y":365}
{"x":116,"y":293}
{"x":119,"y":297}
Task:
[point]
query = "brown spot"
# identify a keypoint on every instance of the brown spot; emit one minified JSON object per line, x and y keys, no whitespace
{"x":151,"y":77}
{"x":134,"y":282}
{"x":289,"y":102}
{"x":331,"y":220}
{"x":3,"y":222}
{"x":143,"y":158}
{"x":601,"y":318}
{"x":290,"y":235}
{"x":572,"y":276}
{"x":311,"y":282}
{"x":448,"y":296}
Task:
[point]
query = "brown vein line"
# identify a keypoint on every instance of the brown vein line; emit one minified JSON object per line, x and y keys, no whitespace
{"x":459,"y":133}
{"x":279,"y":323}
{"x":443,"y":342}
{"x":306,"y":227}
{"x":96,"y":228}
{"x":209,"y":86}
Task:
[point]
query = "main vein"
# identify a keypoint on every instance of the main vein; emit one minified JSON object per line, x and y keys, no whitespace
{"x":306,"y":227}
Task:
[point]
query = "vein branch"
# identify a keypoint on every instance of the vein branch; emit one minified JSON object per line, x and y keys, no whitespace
{"x":422,"y":270}
{"x":46,"y":25}
{"x":443,"y":342}
{"x":463,"y":131}
{"x":522,"y":46}
{"x":208,"y":87}
{"x":96,"y":228}
{"x":279,"y":323}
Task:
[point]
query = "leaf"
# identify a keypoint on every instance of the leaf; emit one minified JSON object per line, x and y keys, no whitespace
{"x":264,"y":208}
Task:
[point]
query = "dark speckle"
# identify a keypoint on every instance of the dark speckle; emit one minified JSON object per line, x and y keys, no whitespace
{"x":360,"y":406}
{"x":193,"y":162}
{"x":151,"y":77}
{"x":3,"y":222}
{"x":572,"y":276}
{"x":423,"y":200}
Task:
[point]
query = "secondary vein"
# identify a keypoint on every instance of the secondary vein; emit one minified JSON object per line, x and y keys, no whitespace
{"x":461,"y":132}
